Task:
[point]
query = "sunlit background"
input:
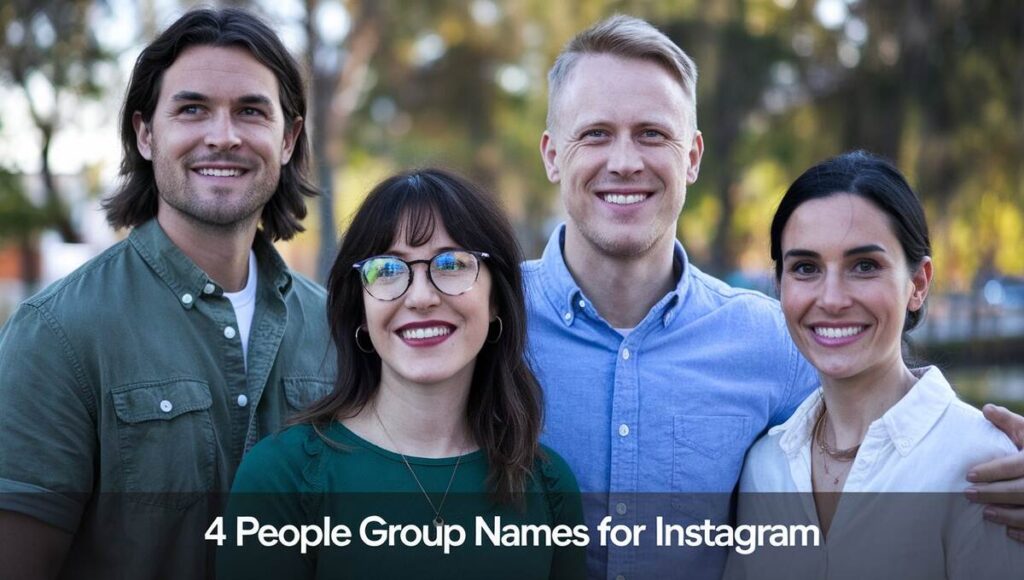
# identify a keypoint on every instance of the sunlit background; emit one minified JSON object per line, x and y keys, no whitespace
{"x":937,"y":86}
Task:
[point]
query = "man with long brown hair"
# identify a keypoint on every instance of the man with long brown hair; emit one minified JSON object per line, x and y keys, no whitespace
{"x":132,"y":388}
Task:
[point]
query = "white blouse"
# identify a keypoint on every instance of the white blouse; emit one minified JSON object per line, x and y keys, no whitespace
{"x":921,"y":526}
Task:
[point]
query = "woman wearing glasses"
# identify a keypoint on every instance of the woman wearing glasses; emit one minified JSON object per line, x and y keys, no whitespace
{"x":434,"y":421}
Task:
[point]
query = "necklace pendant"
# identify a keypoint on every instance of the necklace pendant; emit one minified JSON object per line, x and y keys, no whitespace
{"x":438,"y":521}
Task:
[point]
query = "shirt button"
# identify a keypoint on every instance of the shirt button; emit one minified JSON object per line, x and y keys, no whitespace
{"x":623,"y":430}
{"x":209,"y":288}
{"x":229,"y":332}
{"x":186,"y":298}
{"x":625,"y":354}
{"x":620,"y":577}
{"x":620,"y":509}
{"x":567,"y":316}
{"x":243,"y":400}
{"x":582,"y":304}
{"x":166,"y":406}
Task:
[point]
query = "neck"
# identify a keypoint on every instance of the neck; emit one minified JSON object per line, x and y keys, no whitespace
{"x":854,"y":403}
{"x":221,"y":252}
{"x":418,"y":420}
{"x":623,"y":289}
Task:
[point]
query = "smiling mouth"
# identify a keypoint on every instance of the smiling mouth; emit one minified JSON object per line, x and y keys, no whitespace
{"x":425,"y":333}
{"x":216,"y":172}
{"x":624,"y":199}
{"x":838,"y":332}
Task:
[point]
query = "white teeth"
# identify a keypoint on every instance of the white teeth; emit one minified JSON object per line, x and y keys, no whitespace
{"x":211,"y":172}
{"x":424,"y":333}
{"x":829,"y":332}
{"x":619,"y":199}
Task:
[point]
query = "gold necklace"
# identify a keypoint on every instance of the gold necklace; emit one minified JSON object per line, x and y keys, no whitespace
{"x":438,"y":520}
{"x":841,"y":455}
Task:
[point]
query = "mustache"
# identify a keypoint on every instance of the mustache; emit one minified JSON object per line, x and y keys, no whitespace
{"x":225,"y":158}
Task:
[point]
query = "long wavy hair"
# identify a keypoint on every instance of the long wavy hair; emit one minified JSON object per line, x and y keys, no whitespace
{"x":135,"y":200}
{"x":505,"y":402}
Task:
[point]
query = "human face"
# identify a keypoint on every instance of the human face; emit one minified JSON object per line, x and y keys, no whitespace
{"x":217,"y":139}
{"x":846,"y":287}
{"x":455,"y":326}
{"x":622,"y":149}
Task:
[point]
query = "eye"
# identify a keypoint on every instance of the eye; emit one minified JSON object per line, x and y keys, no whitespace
{"x":652,"y":134}
{"x":383,"y":270}
{"x":594,"y":134}
{"x":189,"y":110}
{"x":803,"y":269}
{"x":865,"y":266}
{"x":253,"y":112}
{"x":450,"y":262}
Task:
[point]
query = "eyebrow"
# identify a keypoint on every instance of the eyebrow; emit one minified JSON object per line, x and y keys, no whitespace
{"x":405,"y":255}
{"x":192,"y":96}
{"x":866,"y":249}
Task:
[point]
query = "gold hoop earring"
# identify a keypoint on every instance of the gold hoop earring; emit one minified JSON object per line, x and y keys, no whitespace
{"x":359,"y":345}
{"x":501,"y":328}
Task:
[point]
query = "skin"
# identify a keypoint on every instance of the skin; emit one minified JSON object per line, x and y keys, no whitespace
{"x":844,"y":268}
{"x":622,"y":127}
{"x":218,"y":108}
{"x":424,"y":390}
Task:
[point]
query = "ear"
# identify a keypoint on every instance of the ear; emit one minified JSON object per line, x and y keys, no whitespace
{"x":143,"y":136}
{"x":291,"y":137}
{"x":696,"y":153}
{"x":549,"y":155}
{"x":921,"y":280}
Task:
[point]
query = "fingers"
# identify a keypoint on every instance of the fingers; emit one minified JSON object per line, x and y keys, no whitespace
{"x":1013,"y":517}
{"x":1009,"y":468}
{"x":1007,"y":421}
{"x":1009,"y":493}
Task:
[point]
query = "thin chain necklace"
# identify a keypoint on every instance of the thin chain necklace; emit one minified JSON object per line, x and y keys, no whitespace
{"x":841,"y":455}
{"x":438,"y":520}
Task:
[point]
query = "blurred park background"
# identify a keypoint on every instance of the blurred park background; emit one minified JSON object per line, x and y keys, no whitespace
{"x":935,"y":85}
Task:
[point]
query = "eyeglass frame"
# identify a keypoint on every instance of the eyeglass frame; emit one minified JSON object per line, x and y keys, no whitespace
{"x":358,"y":267}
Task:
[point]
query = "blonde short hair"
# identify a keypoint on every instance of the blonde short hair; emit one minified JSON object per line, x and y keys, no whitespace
{"x":627,"y":37}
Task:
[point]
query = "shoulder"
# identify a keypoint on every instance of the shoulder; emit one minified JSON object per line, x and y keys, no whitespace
{"x":278,"y":461}
{"x":718,"y":294}
{"x":766,"y":467}
{"x":307,"y":288}
{"x":556,"y":474}
{"x":89,"y":283}
{"x":964,"y":430}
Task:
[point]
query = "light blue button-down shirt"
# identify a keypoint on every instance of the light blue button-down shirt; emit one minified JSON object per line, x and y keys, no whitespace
{"x":671,"y":408}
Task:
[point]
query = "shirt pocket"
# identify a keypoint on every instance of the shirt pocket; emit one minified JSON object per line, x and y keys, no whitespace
{"x":707,"y":457}
{"x":302,"y":392}
{"x":167,"y":443}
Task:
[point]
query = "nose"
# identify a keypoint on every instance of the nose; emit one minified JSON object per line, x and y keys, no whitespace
{"x":625,"y":159}
{"x":834,"y":295}
{"x":221,"y":133}
{"x":421,"y":294}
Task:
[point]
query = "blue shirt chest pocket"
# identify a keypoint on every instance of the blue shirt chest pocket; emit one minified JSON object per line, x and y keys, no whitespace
{"x":166,"y":440}
{"x":707,"y":451}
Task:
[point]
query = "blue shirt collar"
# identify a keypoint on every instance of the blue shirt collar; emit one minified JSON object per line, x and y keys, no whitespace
{"x":566,"y":296}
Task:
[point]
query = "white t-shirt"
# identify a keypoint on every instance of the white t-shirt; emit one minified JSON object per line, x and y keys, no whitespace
{"x":244,"y":303}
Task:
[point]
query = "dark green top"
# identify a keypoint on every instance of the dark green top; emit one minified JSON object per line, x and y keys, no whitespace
{"x":299,"y":478}
{"x":124,"y":401}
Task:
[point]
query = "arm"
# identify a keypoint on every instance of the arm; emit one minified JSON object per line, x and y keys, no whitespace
{"x":29,"y":548}
{"x":1000,"y":482}
{"x":45,"y":471}
{"x":563,"y":496}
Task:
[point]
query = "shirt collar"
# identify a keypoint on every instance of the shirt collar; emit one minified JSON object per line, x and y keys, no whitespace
{"x":566,"y":296}
{"x":188,"y":281}
{"x":905,"y":423}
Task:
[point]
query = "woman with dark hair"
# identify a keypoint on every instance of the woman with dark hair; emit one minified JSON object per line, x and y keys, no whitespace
{"x":435,"y":417}
{"x":852,"y":262}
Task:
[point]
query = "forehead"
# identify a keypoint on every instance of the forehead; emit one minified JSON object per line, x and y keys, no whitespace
{"x":414,"y":227}
{"x":839,"y":221}
{"x":227,"y":72}
{"x":606,"y":85}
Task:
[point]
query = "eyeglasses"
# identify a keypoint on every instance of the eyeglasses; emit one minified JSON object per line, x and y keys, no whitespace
{"x":452,"y":272}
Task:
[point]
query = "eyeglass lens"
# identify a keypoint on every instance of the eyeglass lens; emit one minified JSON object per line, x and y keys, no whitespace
{"x":387,"y":277}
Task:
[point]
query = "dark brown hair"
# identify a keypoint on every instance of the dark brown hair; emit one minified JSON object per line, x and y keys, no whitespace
{"x":135,"y":200}
{"x":504,"y":407}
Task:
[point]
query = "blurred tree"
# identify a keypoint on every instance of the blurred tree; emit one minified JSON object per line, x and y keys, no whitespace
{"x":49,"y":50}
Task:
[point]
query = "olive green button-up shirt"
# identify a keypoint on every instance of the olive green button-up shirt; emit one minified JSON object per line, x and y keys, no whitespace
{"x":126,"y":406}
